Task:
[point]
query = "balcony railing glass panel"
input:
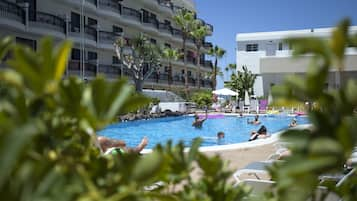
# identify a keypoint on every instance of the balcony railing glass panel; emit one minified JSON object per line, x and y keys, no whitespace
{"x":131,"y":13}
{"x":110,"y":5}
{"x":49,"y":21}
{"x":12,"y":11}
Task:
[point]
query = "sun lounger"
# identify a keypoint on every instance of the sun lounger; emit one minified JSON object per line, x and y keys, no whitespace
{"x":256,"y":168}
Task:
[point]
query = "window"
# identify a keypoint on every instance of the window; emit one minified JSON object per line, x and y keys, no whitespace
{"x":166,"y":69}
{"x":167,"y":22}
{"x":92,"y":22}
{"x":115,"y":60}
{"x":182,"y":72}
{"x":75,"y":22}
{"x":251,"y":47}
{"x":153,"y":41}
{"x":280,"y":46}
{"x":27,"y":42}
{"x":167,"y":45}
{"x":92,"y":55}
{"x":117,"y":29}
{"x":189,"y":73}
{"x":76,"y":54}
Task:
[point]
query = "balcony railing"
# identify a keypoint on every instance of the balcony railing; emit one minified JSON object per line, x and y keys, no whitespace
{"x":207,"y":45}
{"x":131,"y":13}
{"x":90,"y":32}
{"x":90,"y":69}
{"x":206,"y":64}
{"x":107,"y":37}
{"x":166,"y":3}
{"x":94,"y":2}
{"x":49,"y":20}
{"x":177,"y":33}
{"x":165,"y":28}
{"x":191,"y":60}
{"x":111,"y":5}
{"x":151,"y":21}
{"x":110,"y":71}
{"x":12,"y":11}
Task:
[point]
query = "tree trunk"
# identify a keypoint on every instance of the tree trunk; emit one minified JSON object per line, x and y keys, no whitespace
{"x":198,"y":67}
{"x":139,"y":85}
{"x":185,"y":63}
{"x":214,"y":82}
{"x":169,"y":79}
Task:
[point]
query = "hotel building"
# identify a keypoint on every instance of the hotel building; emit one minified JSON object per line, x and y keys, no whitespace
{"x":94,"y":25}
{"x":266,"y":54}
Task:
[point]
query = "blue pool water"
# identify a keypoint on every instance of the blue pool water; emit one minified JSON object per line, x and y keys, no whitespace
{"x":161,"y":130}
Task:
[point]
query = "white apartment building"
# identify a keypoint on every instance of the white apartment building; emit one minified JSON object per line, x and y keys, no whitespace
{"x":266,"y":54}
{"x":94,"y":25}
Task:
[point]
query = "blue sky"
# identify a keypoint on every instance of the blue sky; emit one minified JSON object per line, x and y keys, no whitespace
{"x":230,"y":17}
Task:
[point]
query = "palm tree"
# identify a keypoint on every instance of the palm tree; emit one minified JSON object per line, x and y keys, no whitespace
{"x":170,"y":55}
{"x":242,"y":81}
{"x":199,"y":32}
{"x":217,"y":53}
{"x":218,"y":72}
{"x":185,"y":19}
{"x":230,"y":67}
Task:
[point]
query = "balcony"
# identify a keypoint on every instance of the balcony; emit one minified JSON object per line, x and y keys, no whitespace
{"x":110,"y":71}
{"x":48,"y":21}
{"x":108,"y":37}
{"x":161,"y":78}
{"x":11,"y":11}
{"x":207,"y":45}
{"x":166,"y":3}
{"x":131,"y":14}
{"x":207,"y":64}
{"x":177,"y":33}
{"x":111,"y":5}
{"x":165,"y":28}
{"x":191,"y":60}
{"x":74,"y":68}
{"x":90,"y":33}
{"x":151,"y":22}
{"x":93,"y":2}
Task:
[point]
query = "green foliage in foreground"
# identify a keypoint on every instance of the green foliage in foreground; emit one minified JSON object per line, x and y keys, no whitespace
{"x":47,"y":139}
{"x":325,"y":148}
{"x":202,"y":98}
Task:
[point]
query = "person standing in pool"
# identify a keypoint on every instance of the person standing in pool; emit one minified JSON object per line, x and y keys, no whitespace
{"x":197,"y":123}
{"x":255,"y":121}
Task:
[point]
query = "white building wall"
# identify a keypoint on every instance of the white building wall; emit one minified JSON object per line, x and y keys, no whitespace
{"x":268,"y":50}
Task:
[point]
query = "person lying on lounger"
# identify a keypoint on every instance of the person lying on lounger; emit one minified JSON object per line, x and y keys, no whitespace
{"x":255,"y":121}
{"x":197,"y":123}
{"x":260,"y":134}
{"x":118,"y":147}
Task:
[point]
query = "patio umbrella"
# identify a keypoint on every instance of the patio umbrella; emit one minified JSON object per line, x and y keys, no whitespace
{"x":246,"y":98}
{"x":225,"y":92}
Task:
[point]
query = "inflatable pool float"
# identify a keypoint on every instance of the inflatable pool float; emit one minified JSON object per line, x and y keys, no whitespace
{"x":272,"y":111}
{"x":212,"y":116}
{"x":300,"y":113}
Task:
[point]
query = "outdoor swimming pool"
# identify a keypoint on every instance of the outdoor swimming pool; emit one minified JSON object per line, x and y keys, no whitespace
{"x":161,"y":130}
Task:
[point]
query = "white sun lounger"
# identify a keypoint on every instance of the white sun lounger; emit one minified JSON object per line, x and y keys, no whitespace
{"x":255,"y":168}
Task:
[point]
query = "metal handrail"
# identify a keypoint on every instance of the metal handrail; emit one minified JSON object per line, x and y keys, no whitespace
{"x":113,"y":5}
{"x":49,"y":19}
{"x":131,"y":13}
{"x":7,"y":8}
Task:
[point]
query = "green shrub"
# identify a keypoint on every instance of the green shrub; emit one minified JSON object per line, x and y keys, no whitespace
{"x":47,"y":137}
